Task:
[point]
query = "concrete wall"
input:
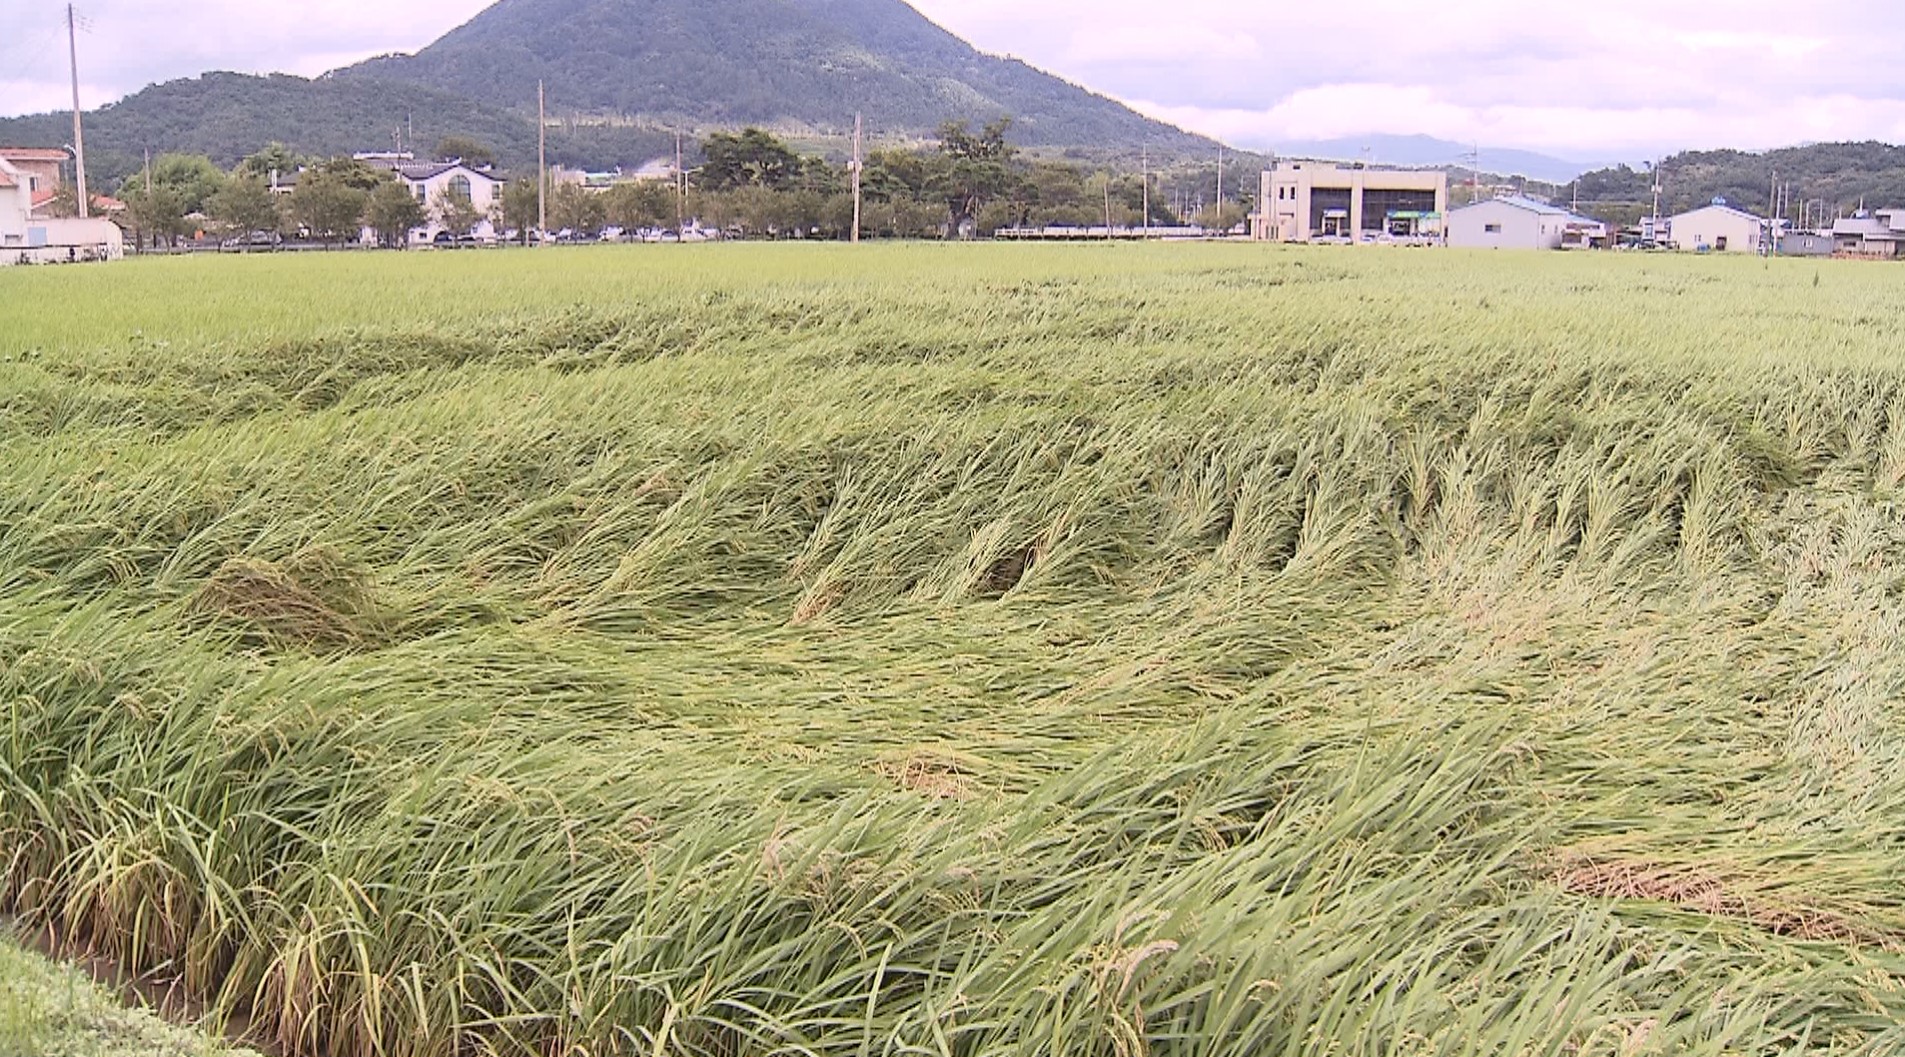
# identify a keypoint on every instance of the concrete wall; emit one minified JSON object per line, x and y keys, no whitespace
{"x":1519,"y":228}
{"x":1706,"y":227}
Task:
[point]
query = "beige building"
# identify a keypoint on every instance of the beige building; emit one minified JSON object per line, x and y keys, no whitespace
{"x":41,"y":166}
{"x":1307,"y":201}
{"x":1719,"y":228}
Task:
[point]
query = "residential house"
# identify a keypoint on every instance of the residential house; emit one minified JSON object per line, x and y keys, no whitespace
{"x":43,"y":167}
{"x":434,"y":184}
{"x":1310,"y":201}
{"x":1720,"y":228}
{"x":1880,"y":234}
{"x":16,"y":204}
{"x":1514,"y":222}
{"x":26,"y":238}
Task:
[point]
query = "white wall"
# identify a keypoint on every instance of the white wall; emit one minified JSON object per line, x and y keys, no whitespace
{"x":65,"y":239}
{"x":1705,"y":227}
{"x":15,"y":203}
{"x":1517,"y":228}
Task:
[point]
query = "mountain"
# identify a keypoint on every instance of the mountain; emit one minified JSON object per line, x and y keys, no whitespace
{"x":227,"y":116}
{"x":795,"y":65}
{"x":1834,"y":178}
{"x":1429,"y":152}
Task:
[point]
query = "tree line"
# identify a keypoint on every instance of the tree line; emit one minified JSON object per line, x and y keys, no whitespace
{"x":749,"y":183}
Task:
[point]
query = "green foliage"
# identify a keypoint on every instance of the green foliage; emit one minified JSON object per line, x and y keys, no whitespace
{"x":471,"y":152}
{"x":759,"y":62}
{"x":520,"y":205}
{"x":329,"y":204}
{"x":979,"y":167}
{"x":990,"y":650}
{"x":192,"y":177}
{"x":455,"y":212}
{"x":245,"y":204}
{"x":393,"y":212}
{"x":48,"y":1010}
{"x":647,"y":204}
{"x":1836,"y":177}
{"x":573,"y":208}
{"x":750,"y":158}
{"x":157,"y":215}
{"x":274,"y":159}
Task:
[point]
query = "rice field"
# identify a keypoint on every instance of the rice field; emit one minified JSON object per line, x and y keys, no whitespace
{"x":1101,"y":651}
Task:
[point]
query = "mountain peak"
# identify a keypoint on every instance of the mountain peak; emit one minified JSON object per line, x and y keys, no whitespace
{"x":789,"y":64}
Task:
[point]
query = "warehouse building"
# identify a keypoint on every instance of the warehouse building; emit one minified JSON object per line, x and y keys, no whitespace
{"x":1311,"y":201}
{"x":1719,"y":228}
{"x":1517,"y":223}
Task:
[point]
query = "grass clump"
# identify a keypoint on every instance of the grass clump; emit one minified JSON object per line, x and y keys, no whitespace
{"x":968,"y":650}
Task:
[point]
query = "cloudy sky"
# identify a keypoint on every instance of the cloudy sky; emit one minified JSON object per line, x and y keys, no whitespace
{"x":1626,"y":79}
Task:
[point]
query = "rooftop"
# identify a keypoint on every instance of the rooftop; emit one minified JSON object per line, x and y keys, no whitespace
{"x":1725,"y":207}
{"x":1547,"y":209}
{"x":34,"y":154}
{"x":422,"y":170}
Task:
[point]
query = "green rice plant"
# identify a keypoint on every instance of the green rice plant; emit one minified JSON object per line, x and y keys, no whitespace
{"x":964,"y":650}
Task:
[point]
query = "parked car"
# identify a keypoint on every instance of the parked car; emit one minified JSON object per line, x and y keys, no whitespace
{"x":253,"y":240}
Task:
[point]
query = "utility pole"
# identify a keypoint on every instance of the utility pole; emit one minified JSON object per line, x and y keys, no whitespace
{"x":79,"y":137}
{"x":859,"y":129}
{"x":542,"y":164}
{"x":1107,"y":205}
{"x":1657,"y":189}
{"x":1144,"y":163}
{"x":681,"y":188}
{"x":1218,"y":206}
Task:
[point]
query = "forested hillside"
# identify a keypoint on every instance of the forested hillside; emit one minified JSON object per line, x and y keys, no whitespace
{"x":792,"y":64}
{"x":1835,"y":177}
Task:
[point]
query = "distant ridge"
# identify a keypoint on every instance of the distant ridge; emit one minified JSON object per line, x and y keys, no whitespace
{"x":1427,"y":152}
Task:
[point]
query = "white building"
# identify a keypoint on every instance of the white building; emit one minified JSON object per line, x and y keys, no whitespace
{"x":1517,"y":223}
{"x":434,"y":184}
{"x":1719,"y":228}
{"x":29,"y":239}
{"x":16,"y":201}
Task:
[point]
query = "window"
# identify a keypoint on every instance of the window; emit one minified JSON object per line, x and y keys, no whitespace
{"x":1493,"y":229}
{"x":460,"y":187}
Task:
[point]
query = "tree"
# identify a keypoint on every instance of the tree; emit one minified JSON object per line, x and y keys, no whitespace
{"x":328,"y":206}
{"x":455,"y":212}
{"x":518,"y":207}
{"x":1221,"y":217}
{"x":193,"y":177}
{"x":648,"y":204}
{"x":393,"y":212}
{"x":157,"y":215}
{"x":573,"y":208}
{"x":353,"y":173}
{"x":245,"y":205}
{"x":979,"y":170}
{"x":465,"y":149}
{"x":752,"y":158}
{"x":276,"y":159}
